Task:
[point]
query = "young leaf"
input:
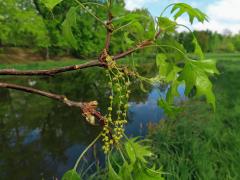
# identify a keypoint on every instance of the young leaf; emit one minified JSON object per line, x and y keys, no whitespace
{"x":141,"y":172}
{"x":195,"y":73}
{"x":172,"y":92}
{"x":136,"y":151}
{"x":208,"y":65}
{"x":168,"y":108}
{"x":167,"y":70}
{"x":71,"y":175}
{"x":50,"y":4}
{"x":68,"y":24}
{"x":112,"y":175}
{"x":197,"y":48}
{"x":165,"y":24}
{"x":181,"y":8}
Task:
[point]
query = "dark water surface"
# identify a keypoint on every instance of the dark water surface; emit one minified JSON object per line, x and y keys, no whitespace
{"x":42,"y":138}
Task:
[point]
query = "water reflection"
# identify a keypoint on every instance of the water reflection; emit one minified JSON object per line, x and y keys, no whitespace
{"x":41,"y":138}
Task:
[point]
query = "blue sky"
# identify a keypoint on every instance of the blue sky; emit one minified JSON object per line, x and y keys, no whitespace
{"x":223,"y":14}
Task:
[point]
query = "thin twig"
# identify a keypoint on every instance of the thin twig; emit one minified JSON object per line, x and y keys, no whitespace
{"x":88,"y":108}
{"x":58,"y":97}
{"x":50,"y":72}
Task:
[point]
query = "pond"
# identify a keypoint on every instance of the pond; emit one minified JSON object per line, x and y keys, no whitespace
{"x":42,"y":138}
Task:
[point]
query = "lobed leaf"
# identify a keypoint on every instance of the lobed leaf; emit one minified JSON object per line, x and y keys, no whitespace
{"x":71,"y":175}
{"x":136,"y":151}
{"x":195,"y":74}
{"x":165,"y":24}
{"x":50,"y":4}
{"x":197,"y":48}
{"x":70,"y":22}
{"x":180,"y":8}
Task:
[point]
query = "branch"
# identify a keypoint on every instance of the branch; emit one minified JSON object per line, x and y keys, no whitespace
{"x":109,"y":30}
{"x":88,"y":108}
{"x":142,"y":45}
{"x":50,"y":72}
{"x":100,"y":63}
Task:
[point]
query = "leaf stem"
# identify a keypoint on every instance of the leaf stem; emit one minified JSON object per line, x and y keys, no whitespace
{"x":83,"y":153}
{"x":89,"y":12}
{"x":166,"y":9}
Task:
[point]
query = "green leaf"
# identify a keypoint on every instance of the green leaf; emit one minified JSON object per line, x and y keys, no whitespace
{"x":143,"y":173}
{"x":127,"y":39}
{"x":50,"y":4}
{"x":165,"y":24}
{"x":142,"y":87}
{"x":173,"y":92}
{"x":168,"y":108}
{"x":167,"y":70}
{"x":197,"y":48}
{"x":181,"y":8}
{"x":136,"y":151}
{"x":161,"y":59}
{"x":126,"y":171}
{"x":208,"y":65}
{"x":112,"y":175}
{"x":71,"y":175}
{"x":70,"y":22}
{"x":195,"y":73}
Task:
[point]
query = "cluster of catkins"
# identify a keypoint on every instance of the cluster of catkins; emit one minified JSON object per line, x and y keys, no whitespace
{"x":113,"y":129}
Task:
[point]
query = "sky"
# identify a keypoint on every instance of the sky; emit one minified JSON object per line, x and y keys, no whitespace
{"x":223,"y":14}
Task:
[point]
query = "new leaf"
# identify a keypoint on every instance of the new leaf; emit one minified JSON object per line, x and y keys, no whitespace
{"x":181,"y":8}
{"x":195,"y":74}
{"x":67,"y":26}
{"x":50,"y":4}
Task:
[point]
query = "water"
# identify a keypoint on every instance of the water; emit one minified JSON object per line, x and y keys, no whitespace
{"x":42,"y":138}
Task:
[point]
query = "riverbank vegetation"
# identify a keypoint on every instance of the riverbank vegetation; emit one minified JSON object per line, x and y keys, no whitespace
{"x":200,"y":144}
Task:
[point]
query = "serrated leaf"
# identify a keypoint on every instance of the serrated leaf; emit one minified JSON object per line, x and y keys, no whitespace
{"x":143,"y":173}
{"x":160,"y":59}
{"x":172,"y":92}
{"x":168,"y":108}
{"x":125,"y":171}
{"x":127,"y":39}
{"x":197,"y":48}
{"x":208,"y":65}
{"x":142,"y":87}
{"x":136,"y":151}
{"x":50,"y":4}
{"x":167,"y":70}
{"x":71,"y":175}
{"x":131,"y":17}
{"x":112,"y":174}
{"x":181,"y":8}
{"x":165,"y":24}
{"x":68,"y":24}
{"x":195,"y":73}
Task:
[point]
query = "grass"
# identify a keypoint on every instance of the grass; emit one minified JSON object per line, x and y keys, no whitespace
{"x":201,"y":144}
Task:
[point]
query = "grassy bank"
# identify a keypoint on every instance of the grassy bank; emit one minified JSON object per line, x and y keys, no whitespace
{"x":200,"y":144}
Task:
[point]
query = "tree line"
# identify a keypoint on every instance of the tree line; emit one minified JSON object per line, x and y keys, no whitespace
{"x":43,"y":32}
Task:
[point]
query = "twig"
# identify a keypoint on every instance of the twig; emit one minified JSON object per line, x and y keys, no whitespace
{"x":88,"y":108}
{"x":142,"y":45}
{"x":93,"y":63}
{"x":50,"y":72}
{"x":58,"y":97}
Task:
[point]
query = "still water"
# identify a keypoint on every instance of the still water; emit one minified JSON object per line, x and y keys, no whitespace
{"x":42,"y":138}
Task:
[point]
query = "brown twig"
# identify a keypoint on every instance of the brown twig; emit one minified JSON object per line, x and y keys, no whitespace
{"x":141,"y":45}
{"x":88,"y":108}
{"x":49,"y":72}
